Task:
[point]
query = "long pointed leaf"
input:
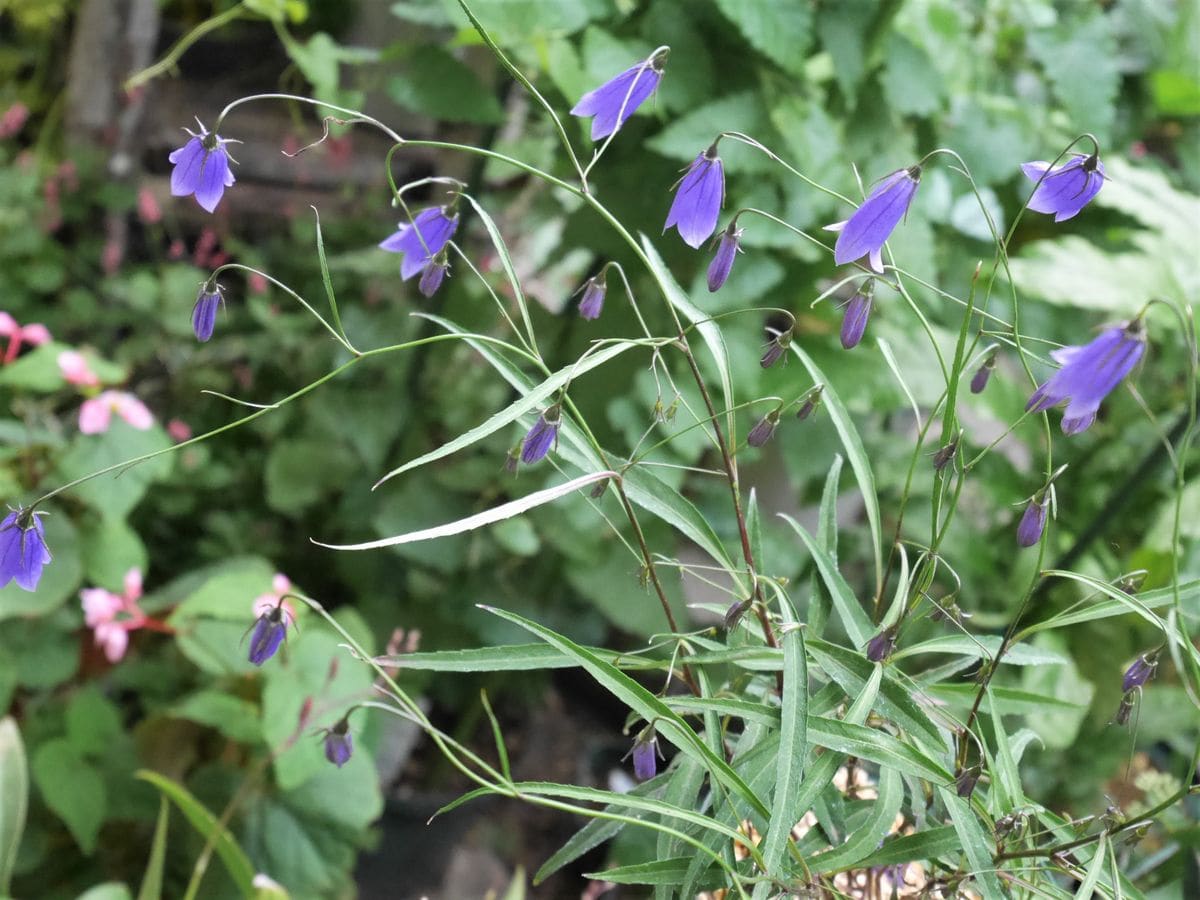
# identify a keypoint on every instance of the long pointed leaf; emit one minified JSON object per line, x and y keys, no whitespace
{"x":793,"y":739}
{"x":14,"y":797}
{"x":854,"y":618}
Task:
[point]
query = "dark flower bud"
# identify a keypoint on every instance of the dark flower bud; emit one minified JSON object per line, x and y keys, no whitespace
{"x":734,"y":614}
{"x":204,"y":313}
{"x":881,"y":646}
{"x":268,"y":634}
{"x":858,"y":311}
{"x":763,"y":429}
{"x":1125,"y":709}
{"x":645,"y":755}
{"x":812,"y":400}
{"x":942,"y":457}
{"x":432,"y":275}
{"x":983,"y":373}
{"x":722,"y":262}
{"x":776,"y":348}
{"x":542,"y":436}
{"x":1139,"y":673}
{"x":592,"y":303}
{"x":1033,"y":521}
{"x":964,"y":784}
{"x":339,"y":745}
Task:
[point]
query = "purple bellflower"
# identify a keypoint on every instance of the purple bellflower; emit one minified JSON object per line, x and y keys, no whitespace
{"x":880,"y":647}
{"x":269,"y":631}
{"x":1033,"y":522}
{"x":812,"y":400}
{"x":980,"y":379}
{"x":1141,"y":671}
{"x":594,"y":290}
{"x":423,"y":238}
{"x":866,"y":231}
{"x":1089,"y":373}
{"x":339,"y":744}
{"x":204,"y":313}
{"x":858,"y":311}
{"x":763,"y":429}
{"x":698,"y":199}
{"x":433,"y":274}
{"x":1066,"y":190}
{"x":202,"y":168}
{"x":23,"y":550}
{"x":722,"y":261}
{"x":619,"y":97}
{"x":645,"y":755}
{"x":542,"y":436}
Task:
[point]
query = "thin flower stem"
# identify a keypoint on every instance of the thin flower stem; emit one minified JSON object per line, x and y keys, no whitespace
{"x":182,"y":45}
{"x":353,"y":113}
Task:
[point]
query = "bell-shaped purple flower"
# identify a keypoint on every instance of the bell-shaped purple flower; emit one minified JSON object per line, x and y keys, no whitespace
{"x":339,"y":744}
{"x":594,"y":290}
{"x":201,"y":168}
{"x":763,"y":429}
{"x":866,"y":231}
{"x":1033,"y":522}
{"x":268,"y":633}
{"x":541,"y":436}
{"x":858,"y":311}
{"x":204,"y":313}
{"x":776,"y":347}
{"x":1089,"y":373}
{"x":722,"y":261}
{"x":1141,"y":671}
{"x":1066,"y":190}
{"x":880,"y":647}
{"x":698,"y":199}
{"x":422,"y":239}
{"x":23,"y":550}
{"x":433,"y":274}
{"x":645,"y":755}
{"x":980,"y":379}
{"x":619,"y":97}
{"x":812,"y":400}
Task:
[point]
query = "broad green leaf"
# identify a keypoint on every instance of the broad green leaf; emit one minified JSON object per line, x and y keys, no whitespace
{"x":866,"y":837}
{"x":14,"y":798}
{"x":237,"y":719}
{"x":1080,"y":57}
{"x":300,"y":472}
{"x":976,"y":844}
{"x":152,"y":880}
{"x":854,"y":618}
{"x":72,"y":788}
{"x":110,"y":890}
{"x":436,"y":84}
{"x":780,"y":31}
{"x":793,"y":740}
{"x":118,"y":492}
{"x":240,"y":869}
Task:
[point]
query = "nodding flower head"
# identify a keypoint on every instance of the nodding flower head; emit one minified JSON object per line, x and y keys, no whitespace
{"x":812,"y":400}
{"x":268,"y":633}
{"x":204,"y":313}
{"x":1065,"y":190}
{"x":763,"y":429}
{"x":867,"y":230}
{"x":1089,"y":373}
{"x":23,"y":550}
{"x":618,"y":98}
{"x":423,"y":238}
{"x":339,"y":745}
{"x":698,"y":199}
{"x":964,"y":784}
{"x":980,"y":379}
{"x":1033,"y":522}
{"x":776,"y":348}
{"x":432,"y":275}
{"x":858,"y":312}
{"x":1141,"y":671}
{"x":722,"y":262}
{"x":542,"y":436}
{"x":202,"y":168}
{"x":594,"y":290}
{"x":645,"y":755}
{"x":881,"y":646}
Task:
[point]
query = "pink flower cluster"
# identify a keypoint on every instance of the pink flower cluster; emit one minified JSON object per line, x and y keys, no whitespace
{"x":95,"y":415}
{"x":112,"y":616}
{"x":34,"y":335}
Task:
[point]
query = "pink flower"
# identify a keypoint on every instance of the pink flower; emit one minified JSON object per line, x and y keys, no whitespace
{"x":257,"y":282}
{"x":34,"y":335}
{"x":176,"y":250}
{"x":112,"y":616}
{"x":179,"y":430}
{"x":13,"y":119}
{"x":95,"y":414}
{"x":111,"y":256}
{"x":264,"y":603}
{"x":76,"y":370}
{"x":147,"y":206}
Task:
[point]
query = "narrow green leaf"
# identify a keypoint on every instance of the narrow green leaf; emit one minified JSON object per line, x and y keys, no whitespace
{"x":754,"y":527}
{"x":240,"y":869}
{"x":747,"y":710}
{"x":875,"y":746}
{"x":867,"y":836}
{"x":793,"y":739}
{"x":854,"y":618}
{"x":506,"y":262}
{"x":686,"y":780}
{"x":976,"y":844}
{"x":14,"y":798}
{"x":152,"y":881}
{"x":932,"y":844}
{"x":827,"y":526}
{"x":1105,"y":609}
{"x":984,"y":646}
{"x":662,"y":871}
{"x":1088,"y":886}
{"x":325,"y":277}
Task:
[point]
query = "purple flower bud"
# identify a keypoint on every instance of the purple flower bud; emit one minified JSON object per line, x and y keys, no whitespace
{"x":1066,"y":190}
{"x":1141,"y":671}
{"x":858,"y":310}
{"x":339,"y":744}
{"x":592,"y":303}
{"x":964,"y":784}
{"x":811,"y":402}
{"x":645,"y":756}
{"x":776,"y":348}
{"x":204,"y":313}
{"x":268,"y":634}
{"x":942,"y":457}
{"x":23,"y":550}
{"x":881,"y":646}
{"x":201,"y":168}
{"x":763,"y":429}
{"x":722,"y":261}
{"x":617,"y":99}
{"x":1033,"y":521}
{"x":1125,"y":709}
{"x":980,"y":379}
{"x":542,"y":436}
{"x":1089,"y":373}
{"x":866,"y":231}
{"x":698,"y":200}
{"x":734,"y":614}
{"x":432,"y":275}
{"x":423,"y":238}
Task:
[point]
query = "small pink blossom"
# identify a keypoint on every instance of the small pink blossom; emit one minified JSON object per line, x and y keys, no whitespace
{"x":95,"y":415}
{"x":13,"y":119}
{"x":264,"y":603}
{"x":257,"y":282}
{"x":179,"y":430}
{"x":147,"y":206}
{"x":176,"y":250}
{"x":76,"y":370}
{"x":34,"y":334}
{"x":112,"y":616}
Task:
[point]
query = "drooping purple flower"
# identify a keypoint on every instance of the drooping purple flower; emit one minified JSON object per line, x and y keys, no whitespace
{"x":1033,"y":522}
{"x":776,"y":347}
{"x":339,"y":744}
{"x":944,"y":455}
{"x":1125,"y":708}
{"x":763,"y":429}
{"x":645,"y":756}
{"x":619,"y":97}
{"x":866,"y":231}
{"x":201,"y":168}
{"x":698,"y":199}
{"x":964,"y":784}
{"x":880,"y":647}
{"x":980,"y":379}
{"x":1141,"y":671}
{"x":858,"y":311}
{"x":269,"y":631}
{"x":1066,"y":190}
{"x":204,"y":313}
{"x":594,"y":290}
{"x":23,"y":550}
{"x":541,"y":436}
{"x":812,"y":400}
{"x":1089,"y":373}
{"x":422,"y":239}
{"x":722,"y":261}
{"x":432,"y":275}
